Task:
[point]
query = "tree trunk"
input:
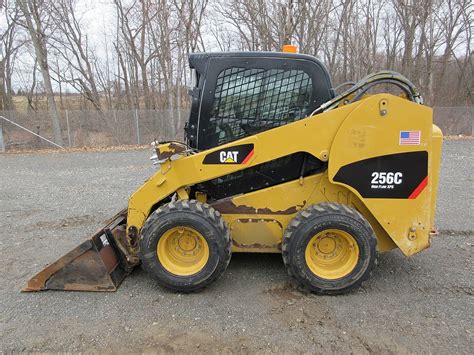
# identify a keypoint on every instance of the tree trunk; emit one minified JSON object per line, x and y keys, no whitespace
{"x":30,"y":11}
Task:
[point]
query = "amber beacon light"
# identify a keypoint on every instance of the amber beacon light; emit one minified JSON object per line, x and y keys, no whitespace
{"x":289,"y":48}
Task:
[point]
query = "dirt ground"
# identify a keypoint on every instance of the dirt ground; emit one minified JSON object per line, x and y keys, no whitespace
{"x":51,"y":202}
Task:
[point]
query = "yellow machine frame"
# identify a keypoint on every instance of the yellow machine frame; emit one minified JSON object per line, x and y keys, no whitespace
{"x":361,"y":130}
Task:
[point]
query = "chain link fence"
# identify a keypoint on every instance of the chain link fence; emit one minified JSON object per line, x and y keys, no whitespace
{"x":454,"y":121}
{"x":82,"y":128}
{"x":131,"y":127}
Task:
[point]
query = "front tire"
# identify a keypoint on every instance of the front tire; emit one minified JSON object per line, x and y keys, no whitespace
{"x":329,"y":248}
{"x":185,"y":245}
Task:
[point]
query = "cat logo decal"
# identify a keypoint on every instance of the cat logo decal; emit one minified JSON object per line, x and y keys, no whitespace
{"x":239,"y":154}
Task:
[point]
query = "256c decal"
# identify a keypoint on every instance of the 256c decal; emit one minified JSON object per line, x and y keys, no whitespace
{"x":399,"y":175}
{"x":386,"y":180}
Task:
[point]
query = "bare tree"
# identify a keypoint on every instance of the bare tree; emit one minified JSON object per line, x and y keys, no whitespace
{"x":9,"y":45}
{"x":71,"y":44}
{"x":135,"y":22}
{"x":34,"y":23}
{"x":145,"y":66}
{"x":451,"y":16}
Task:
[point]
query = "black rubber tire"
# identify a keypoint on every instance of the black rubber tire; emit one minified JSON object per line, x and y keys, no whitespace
{"x":315,"y":219}
{"x":205,"y":220}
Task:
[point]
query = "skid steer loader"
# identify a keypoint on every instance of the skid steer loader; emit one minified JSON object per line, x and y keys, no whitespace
{"x":275,"y":160}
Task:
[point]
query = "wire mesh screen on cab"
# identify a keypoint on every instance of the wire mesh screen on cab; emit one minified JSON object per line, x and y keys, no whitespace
{"x":248,"y":101}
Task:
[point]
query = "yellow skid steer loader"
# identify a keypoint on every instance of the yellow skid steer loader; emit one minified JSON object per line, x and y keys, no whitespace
{"x":275,"y":160}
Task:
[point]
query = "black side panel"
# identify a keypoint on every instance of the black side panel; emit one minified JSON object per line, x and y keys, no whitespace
{"x":399,"y":175}
{"x":287,"y":168}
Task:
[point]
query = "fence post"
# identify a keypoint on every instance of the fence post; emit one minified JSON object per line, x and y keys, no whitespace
{"x":116,"y":129}
{"x":138,"y":128}
{"x":2,"y":144}
{"x":68,"y":132}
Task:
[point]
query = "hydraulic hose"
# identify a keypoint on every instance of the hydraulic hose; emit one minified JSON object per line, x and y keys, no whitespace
{"x":369,"y":81}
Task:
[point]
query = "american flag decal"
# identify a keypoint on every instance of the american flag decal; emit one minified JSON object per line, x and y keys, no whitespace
{"x":410,"y":137}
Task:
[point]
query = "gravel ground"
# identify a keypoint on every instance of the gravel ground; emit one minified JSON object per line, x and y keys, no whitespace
{"x":51,"y":202}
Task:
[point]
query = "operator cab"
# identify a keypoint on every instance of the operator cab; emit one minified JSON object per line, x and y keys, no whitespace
{"x":237,"y":94}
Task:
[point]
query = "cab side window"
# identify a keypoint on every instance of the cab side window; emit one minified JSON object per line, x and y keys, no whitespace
{"x":248,"y":101}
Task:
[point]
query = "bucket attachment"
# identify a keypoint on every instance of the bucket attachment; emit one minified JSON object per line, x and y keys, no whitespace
{"x":95,"y":265}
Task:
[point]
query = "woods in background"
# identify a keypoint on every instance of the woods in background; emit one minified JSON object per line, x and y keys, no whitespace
{"x":141,"y":60}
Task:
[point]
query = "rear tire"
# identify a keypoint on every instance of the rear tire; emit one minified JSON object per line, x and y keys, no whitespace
{"x":185,"y":245}
{"x":329,"y":248}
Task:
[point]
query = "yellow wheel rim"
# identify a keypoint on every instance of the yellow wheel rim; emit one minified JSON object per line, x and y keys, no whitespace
{"x":183,"y":251}
{"x":332,"y":254}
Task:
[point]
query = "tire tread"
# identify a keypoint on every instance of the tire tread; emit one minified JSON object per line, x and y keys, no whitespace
{"x":321,"y":210}
{"x":202,"y":210}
